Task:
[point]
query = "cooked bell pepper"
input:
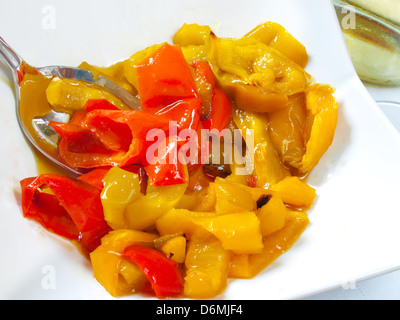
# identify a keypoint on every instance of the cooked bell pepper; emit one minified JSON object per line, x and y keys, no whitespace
{"x":103,"y":104}
{"x":117,"y":275}
{"x":295,"y":192}
{"x":272,"y":215}
{"x":141,"y":172}
{"x":95,"y":177}
{"x":277,"y":37}
{"x":322,"y":111}
{"x":192,"y":34}
{"x":221,"y":111}
{"x":67,"y":95}
{"x":164,"y":274}
{"x":207,"y":266}
{"x":79,"y":206}
{"x":168,"y":166}
{"x":268,"y":167}
{"x":175,"y":249}
{"x":193,"y":40}
{"x":46,"y":209}
{"x":166,"y":87}
{"x":181,"y":221}
{"x":205,"y":84}
{"x":238,"y":232}
{"x":164,"y":77}
{"x":105,"y":137}
{"x":286,"y":128}
{"x":128,"y":203}
{"x":249,"y":265}
{"x":215,"y":104}
{"x":145,"y":210}
{"x":114,"y":72}
{"x":259,"y":78}
{"x":231,"y":197}
{"x":120,"y":188}
{"x":129,"y":65}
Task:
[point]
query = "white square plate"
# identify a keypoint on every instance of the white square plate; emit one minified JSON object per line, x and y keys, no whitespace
{"x":354,"y":230}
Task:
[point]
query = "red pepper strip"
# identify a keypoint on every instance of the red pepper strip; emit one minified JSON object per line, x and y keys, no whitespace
{"x":80,"y":201}
{"x":221,"y":111}
{"x":185,"y":112}
{"x":106,"y":137}
{"x":164,"y":165}
{"x":95,"y":177}
{"x":202,"y":145}
{"x":221,"y":105}
{"x":77,"y":139}
{"x":164,"y":274}
{"x":166,"y":87}
{"x":93,"y":104}
{"x":45,"y":208}
{"x":204,"y":71}
{"x":164,"y":77}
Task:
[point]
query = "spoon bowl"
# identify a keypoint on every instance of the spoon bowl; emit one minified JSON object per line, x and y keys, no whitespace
{"x":42,"y":130}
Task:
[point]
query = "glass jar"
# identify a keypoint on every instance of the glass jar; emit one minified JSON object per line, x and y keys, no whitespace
{"x":371,"y":30}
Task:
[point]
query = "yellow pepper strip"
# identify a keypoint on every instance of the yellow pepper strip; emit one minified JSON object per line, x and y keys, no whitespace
{"x":272,"y":216}
{"x":126,"y":207}
{"x":66,"y":95}
{"x":250,"y":97}
{"x":255,"y":63}
{"x":207,"y":264}
{"x":295,"y":192}
{"x":162,"y":240}
{"x":118,"y":276}
{"x":114,"y":73}
{"x":180,"y":221}
{"x":286,"y":128}
{"x":277,"y":243}
{"x":145,"y":210}
{"x":268,"y":168}
{"x":192,"y":34}
{"x":322,"y":115}
{"x":231,"y":198}
{"x":259,"y":77}
{"x":175,"y":249}
{"x":193,"y":40}
{"x":238,"y":232}
{"x":277,"y":37}
{"x":120,"y":188}
{"x":259,"y":70}
{"x":206,"y":202}
{"x":190,"y":200}
{"x":173,"y":245}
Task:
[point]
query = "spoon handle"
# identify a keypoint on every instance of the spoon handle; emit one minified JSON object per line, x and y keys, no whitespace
{"x":11,"y":57}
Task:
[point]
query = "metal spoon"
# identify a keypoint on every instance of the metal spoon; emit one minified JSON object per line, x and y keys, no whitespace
{"x":41,"y":124}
